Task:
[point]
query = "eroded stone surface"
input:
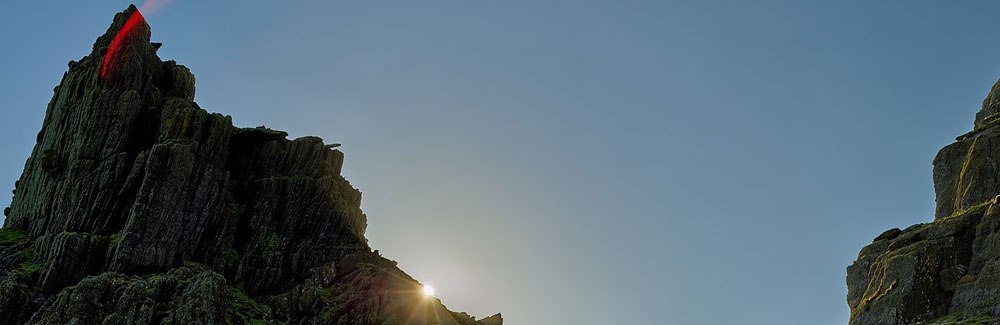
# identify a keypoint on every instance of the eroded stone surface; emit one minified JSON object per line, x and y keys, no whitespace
{"x":138,"y":206}
{"x":947,"y":270}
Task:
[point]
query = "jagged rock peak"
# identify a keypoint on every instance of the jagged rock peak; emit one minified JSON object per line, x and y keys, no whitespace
{"x":138,"y":206}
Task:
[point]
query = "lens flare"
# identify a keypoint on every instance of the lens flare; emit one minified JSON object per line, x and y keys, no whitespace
{"x":153,"y":5}
{"x":116,"y":44}
{"x":114,"y":50}
{"x":428,"y":290}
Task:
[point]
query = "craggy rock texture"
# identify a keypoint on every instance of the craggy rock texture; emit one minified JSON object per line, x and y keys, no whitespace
{"x":137,"y":206}
{"x":966,"y":172}
{"x":946,"y":271}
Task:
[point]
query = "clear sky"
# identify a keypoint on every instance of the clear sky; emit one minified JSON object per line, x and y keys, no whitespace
{"x":581,"y":162}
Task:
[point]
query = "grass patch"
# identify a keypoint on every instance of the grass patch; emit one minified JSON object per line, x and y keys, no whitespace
{"x":981,"y":208}
{"x":11,"y":237}
{"x":28,"y":267}
{"x":15,"y":237}
{"x":953,"y":319}
{"x":241,"y":309}
{"x":27,"y":256}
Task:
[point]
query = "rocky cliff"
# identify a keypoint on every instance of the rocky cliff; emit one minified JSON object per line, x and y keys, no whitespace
{"x":946,"y":271}
{"x":137,"y":206}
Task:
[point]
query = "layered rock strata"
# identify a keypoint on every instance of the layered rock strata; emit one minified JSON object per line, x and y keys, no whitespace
{"x":137,"y":206}
{"x":946,"y":271}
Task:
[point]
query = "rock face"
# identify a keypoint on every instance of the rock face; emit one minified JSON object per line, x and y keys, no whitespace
{"x":946,"y":271}
{"x":137,"y":206}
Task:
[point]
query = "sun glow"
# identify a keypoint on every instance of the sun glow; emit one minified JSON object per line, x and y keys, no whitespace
{"x":428,"y":290}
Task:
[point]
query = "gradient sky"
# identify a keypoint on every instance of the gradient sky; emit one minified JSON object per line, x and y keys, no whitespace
{"x":581,"y":162}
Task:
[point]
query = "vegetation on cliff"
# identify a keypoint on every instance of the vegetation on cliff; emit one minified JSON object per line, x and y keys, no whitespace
{"x":946,"y":271}
{"x":137,"y":206}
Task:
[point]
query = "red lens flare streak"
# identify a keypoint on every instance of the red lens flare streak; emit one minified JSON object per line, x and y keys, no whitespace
{"x":116,"y":44}
{"x":134,"y":20}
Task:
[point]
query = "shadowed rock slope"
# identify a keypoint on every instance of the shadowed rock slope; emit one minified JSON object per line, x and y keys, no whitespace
{"x":946,"y":271}
{"x":137,"y":206}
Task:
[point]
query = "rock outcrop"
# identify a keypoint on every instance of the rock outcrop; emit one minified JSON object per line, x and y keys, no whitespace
{"x":137,"y":206}
{"x":946,"y":271}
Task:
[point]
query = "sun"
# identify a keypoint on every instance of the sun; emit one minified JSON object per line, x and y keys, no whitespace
{"x":428,"y":290}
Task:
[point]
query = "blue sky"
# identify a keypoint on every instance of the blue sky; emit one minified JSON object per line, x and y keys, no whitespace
{"x":582,"y":162}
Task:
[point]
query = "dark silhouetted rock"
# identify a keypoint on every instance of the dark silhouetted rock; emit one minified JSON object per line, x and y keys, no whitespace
{"x":138,"y":206}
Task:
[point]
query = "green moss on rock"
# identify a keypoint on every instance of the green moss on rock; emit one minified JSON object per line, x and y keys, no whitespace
{"x":228,"y":258}
{"x":10,"y":237}
{"x":25,"y":250}
{"x":955,"y":319}
{"x":241,"y":309}
{"x":52,"y":162}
